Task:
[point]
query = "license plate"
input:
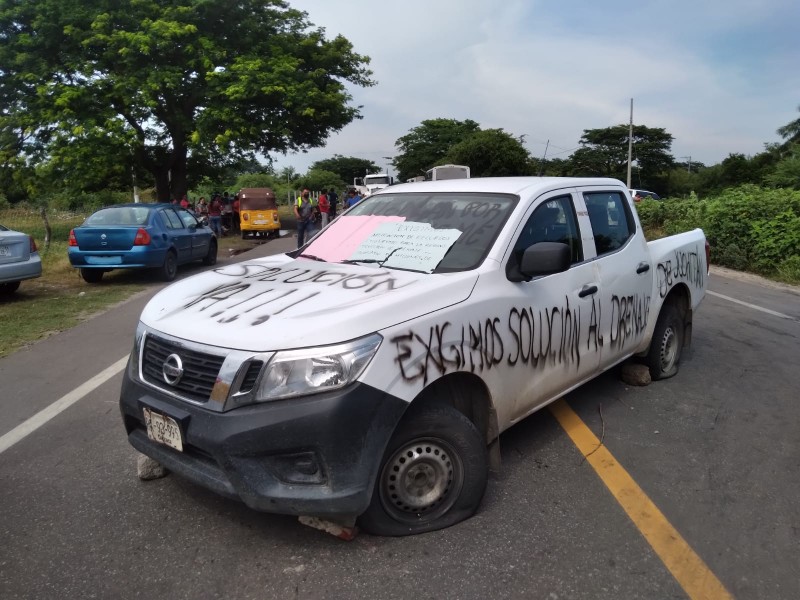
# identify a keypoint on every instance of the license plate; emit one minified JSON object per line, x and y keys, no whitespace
{"x":5,"y":251}
{"x":260,"y":222}
{"x":103,"y":260}
{"x":163,"y":429}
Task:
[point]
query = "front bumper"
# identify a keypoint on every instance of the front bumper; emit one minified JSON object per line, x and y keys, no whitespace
{"x":316,"y":456}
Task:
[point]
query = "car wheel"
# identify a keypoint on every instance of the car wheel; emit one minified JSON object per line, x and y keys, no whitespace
{"x":92,"y":275}
{"x":211,"y":257}
{"x":9,"y":287}
{"x":664,"y":354}
{"x":433,"y":474}
{"x":170,"y":267}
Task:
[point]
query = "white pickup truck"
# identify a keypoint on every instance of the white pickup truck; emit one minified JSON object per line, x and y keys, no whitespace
{"x":369,"y":374}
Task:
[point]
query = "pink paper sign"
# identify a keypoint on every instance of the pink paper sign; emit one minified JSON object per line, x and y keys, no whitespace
{"x":341,"y":238}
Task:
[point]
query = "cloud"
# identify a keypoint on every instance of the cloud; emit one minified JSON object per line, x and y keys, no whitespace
{"x":716,"y":79}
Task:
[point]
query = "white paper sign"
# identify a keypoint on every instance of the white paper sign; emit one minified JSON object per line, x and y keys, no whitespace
{"x":407,"y":245}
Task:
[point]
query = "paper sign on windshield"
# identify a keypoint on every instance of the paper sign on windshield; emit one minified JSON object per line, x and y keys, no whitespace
{"x":408,"y":245}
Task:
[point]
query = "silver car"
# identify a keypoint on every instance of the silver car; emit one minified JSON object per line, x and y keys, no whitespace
{"x":19,"y":259}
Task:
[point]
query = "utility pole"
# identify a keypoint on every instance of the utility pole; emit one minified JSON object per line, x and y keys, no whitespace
{"x":388,"y":160}
{"x":688,"y":164}
{"x":544,"y":157}
{"x":630,"y":145}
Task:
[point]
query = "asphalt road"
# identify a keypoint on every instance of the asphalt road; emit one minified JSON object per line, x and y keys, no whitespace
{"x":715,"y":448}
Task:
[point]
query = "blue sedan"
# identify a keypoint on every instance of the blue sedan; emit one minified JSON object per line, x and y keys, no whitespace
{"x":135,"y":236}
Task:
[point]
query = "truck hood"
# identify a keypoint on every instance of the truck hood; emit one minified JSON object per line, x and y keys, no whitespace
{"x":279,"y":303}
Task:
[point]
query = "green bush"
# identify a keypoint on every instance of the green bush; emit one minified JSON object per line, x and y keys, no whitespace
{"x":85,"y":202}
{"x":749,"y":228}
{"x":789,"y":269}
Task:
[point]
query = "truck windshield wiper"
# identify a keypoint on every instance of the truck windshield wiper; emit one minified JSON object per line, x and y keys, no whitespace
{"x":312,"y":257}
{"x":377,"y":261}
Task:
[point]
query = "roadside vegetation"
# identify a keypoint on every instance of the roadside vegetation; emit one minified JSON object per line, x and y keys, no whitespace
{"x":750,"y":228}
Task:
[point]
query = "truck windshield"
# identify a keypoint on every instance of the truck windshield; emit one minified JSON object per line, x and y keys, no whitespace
{"x":428,"y":232}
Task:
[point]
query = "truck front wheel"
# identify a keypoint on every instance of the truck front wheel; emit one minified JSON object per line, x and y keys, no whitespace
{"x":667,"y":344}
{"x":433,"y":474}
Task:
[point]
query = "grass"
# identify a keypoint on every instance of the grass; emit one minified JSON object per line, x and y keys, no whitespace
{"x":60,"y":299}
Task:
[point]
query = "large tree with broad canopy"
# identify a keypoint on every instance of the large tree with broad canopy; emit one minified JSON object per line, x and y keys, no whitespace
{"x":176,"y":87}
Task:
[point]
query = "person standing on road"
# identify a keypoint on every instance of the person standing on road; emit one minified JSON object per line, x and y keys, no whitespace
{"x":352,"y":198}
{"x":236,"y":221}
{"x":324,"y":208}
{"x":215,"y":215}
{"x":333,"y":200}
{"x":304,"y":211}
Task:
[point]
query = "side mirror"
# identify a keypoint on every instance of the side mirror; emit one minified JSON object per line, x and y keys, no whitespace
{"x":544,"y":258}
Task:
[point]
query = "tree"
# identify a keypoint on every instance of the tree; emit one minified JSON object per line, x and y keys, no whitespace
{"x":604,"y":153}
{"x":346,"y":167}
{"x":491,"y":153}
{"x":791,"y":131}
{"x":318,"y":180}
{"x":787,"y":171}
{"x":426,"y":145}
{"x":178,"y":87}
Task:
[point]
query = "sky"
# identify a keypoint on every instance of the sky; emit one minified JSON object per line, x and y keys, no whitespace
{"x":720,"y":76}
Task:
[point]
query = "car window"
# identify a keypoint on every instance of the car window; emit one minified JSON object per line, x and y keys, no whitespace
{"x":118,"y":216}
{"x":611,"y":219}
{"x":171,"y":220}
{"x":187,"y":218}
{"x":552,"y":221}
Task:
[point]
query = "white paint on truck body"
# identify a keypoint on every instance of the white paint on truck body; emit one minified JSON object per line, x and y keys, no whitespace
{"x":529,"y":342}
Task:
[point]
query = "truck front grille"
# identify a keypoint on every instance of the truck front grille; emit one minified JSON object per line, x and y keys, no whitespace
{"x":200,"y":370}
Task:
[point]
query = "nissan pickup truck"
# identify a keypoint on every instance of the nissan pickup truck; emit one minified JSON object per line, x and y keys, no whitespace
{"x":369,"y":374}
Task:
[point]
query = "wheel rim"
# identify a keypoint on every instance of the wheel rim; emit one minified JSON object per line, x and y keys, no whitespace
{"x":172,"y":265}
{"x":421,"y":480}
{"x":669,"y":349}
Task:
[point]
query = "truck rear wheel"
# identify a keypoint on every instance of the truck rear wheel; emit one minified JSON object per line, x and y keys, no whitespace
{"x":666,"y":346}
{"x":433,"y":474}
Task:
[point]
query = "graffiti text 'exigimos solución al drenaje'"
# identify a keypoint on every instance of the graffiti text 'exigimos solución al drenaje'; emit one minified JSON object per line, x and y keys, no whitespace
{"x":525,"y":337}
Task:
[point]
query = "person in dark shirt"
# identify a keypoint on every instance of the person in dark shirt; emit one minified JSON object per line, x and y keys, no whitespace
{"x":333,"y":200}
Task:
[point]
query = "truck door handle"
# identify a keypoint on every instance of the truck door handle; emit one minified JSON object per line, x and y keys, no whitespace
{"x":587,"y":290}
{"x":642,"y":268}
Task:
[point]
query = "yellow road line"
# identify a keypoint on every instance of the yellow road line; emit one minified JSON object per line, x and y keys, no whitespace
{"x":686,"y":566}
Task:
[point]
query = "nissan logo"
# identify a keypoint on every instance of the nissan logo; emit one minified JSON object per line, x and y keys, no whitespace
{"x":172,"y":370}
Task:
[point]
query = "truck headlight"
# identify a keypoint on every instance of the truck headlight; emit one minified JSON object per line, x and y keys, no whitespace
{"x":313,"y":370}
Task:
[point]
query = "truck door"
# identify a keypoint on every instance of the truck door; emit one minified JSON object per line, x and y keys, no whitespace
{"x":617,"y":251}
{"x":553,"y":339}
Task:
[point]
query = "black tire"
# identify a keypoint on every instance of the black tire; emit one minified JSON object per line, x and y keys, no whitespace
{"x":433,"y":474}
{"x":211,"y":257}
{"x":92,"y":275}
{"x":9,"y":287}
{"x":664,"y":355}
{"x":245,"y":235}
{"x":170,"y":267}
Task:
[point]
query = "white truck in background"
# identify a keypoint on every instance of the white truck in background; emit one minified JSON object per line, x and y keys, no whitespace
{"x":440,"y":172}
{"x":369,"y":184}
